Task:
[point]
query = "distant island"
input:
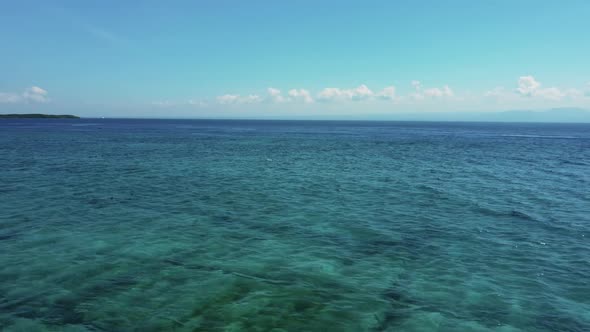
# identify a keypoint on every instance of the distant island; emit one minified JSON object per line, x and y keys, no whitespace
{"x":37,"y":116}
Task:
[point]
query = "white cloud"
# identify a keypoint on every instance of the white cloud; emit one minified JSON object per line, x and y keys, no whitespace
{"x":551,"y":93}
{"x":388,"y":93}
{"x":199,"y":103}
{"x":420,"y":93}
{"x":164,"y":103}
{"x":250,"y":99}
{"x":447,"y":91}
{"x":497,"y":92}
{"x":37,"y":90}
{"x":528,"y":86}
{"x":439,"y":92}
{"x":273,"y":92}
{"x":574,"y":93}
{"x":171,"y":104}
{"x":33,"y":94}
{"x":433,"y":92}
{"x":275,"y":95}
{"x":330,"y":93}
{"x":300,"y":95}
{"x":9,"y":98}
{"x":361,"y":92}
{"x":293,"y":95}
{"x":229,"y":99}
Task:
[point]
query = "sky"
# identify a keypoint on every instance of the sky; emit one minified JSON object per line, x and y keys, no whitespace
{"x":292,"y":59}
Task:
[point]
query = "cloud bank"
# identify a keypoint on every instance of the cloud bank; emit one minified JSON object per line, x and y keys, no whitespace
{"x":526,"y":92}
{"x":529,"y":89}
{"x":33,"y":94}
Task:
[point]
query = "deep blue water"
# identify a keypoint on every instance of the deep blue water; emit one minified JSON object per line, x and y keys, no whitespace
{"x":206,"y":225}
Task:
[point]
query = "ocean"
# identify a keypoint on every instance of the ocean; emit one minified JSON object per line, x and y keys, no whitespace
{"x":238,"y":225}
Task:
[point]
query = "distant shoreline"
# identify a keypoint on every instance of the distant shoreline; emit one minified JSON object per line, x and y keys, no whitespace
{"x":38,"y":116}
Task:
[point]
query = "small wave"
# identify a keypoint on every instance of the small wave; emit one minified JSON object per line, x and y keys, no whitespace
{"x":85,"y":124}
{"x":570,"y":162}
{"x":522,"y":215}
{"x":186,"y":127}
{"x":7,"y":236}
{"x":513,"y":213}
{"x":539,"y":136}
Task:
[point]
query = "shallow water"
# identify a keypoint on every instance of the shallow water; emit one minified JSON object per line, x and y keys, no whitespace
{"x":186,"y":225}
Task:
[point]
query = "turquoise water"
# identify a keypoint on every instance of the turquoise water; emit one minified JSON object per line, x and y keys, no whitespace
{"x":180,"y":225}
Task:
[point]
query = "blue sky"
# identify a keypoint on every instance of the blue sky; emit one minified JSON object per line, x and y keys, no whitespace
{"x":292,"y":58}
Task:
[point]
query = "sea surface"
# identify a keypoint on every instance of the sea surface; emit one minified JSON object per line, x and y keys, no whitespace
{"x":209,"y":225}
